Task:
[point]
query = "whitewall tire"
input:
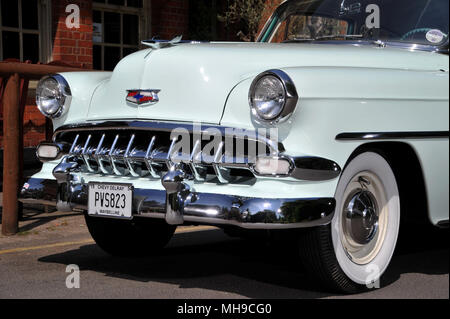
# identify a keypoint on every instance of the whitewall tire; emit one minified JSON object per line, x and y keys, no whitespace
{"x":353,"y":252}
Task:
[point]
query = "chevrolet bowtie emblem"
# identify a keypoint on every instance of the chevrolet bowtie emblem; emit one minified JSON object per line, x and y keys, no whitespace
{"x":143,"y":96}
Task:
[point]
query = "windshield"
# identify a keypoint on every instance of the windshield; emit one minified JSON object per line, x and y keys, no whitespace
{"x":409,"y":21}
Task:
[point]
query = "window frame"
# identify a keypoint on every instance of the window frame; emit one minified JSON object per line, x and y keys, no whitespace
{"x":43,"y":31}
{"x":144,"y":14}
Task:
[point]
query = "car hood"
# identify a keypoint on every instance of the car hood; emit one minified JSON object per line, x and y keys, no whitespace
{"x":195,"y":79}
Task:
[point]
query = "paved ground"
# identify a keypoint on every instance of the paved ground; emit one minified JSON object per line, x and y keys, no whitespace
{"x":199,"y":263}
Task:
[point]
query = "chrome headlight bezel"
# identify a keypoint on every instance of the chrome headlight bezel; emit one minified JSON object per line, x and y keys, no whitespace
{"x":63,"y":97}
{"x":290,"y":93}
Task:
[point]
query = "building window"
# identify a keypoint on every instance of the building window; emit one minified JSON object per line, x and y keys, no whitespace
{"x":21,"y":30}
{"x":118,"y":25}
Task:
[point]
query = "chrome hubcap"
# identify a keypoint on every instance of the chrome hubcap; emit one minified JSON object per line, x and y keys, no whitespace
{"x":364,"y":218}
{"x":361,"y":222}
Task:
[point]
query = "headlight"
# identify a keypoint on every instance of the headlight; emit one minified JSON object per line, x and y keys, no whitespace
{"x":53,"y":96}
{"x":272,"y":97}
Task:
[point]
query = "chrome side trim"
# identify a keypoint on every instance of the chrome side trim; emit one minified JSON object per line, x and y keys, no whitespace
{"x":391,"y":135}
{"x":315,"y":169}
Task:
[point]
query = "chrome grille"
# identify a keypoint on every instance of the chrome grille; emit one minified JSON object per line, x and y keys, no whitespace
{"x":150,"y":154}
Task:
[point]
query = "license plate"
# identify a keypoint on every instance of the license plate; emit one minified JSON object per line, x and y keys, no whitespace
{"x":110,"y":200}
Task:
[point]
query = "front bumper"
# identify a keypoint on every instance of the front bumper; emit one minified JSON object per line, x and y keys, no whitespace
{"x":179,"y":205}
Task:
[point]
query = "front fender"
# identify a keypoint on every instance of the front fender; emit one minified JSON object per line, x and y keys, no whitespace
{"x":82,"y":86}
{"x":335,"y":100}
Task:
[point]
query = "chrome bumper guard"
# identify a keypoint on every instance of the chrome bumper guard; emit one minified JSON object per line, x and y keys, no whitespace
{"x":178,"y":205}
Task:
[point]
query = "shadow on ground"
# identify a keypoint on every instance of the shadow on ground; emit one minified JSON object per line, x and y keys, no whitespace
{"x":210,"y":260}
{"x":35,"y":219}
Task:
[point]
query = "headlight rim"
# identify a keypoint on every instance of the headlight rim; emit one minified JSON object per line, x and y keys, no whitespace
{"x":64,"y":89}
{"x":290,"y":93}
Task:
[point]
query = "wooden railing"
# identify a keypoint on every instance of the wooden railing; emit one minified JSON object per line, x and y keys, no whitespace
{"x":13,"y":93}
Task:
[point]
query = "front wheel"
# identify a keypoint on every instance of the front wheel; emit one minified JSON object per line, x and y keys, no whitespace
{"x":136,"y":238}
{"x":352,"y":253}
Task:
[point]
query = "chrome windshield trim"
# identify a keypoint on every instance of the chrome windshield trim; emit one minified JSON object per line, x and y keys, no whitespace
{"x":391,"y":135}
{"x":395,"y":45}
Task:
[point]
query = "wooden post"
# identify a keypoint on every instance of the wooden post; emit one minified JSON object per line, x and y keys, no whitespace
{"x":12,"y":123}
{"x":11,"y":141}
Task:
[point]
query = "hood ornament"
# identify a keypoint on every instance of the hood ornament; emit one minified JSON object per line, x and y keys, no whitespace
{"x":161,"y":44}
{"x":140,"y":97}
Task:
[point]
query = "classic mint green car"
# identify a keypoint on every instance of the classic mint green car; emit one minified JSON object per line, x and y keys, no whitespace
{"x":331,"y":129}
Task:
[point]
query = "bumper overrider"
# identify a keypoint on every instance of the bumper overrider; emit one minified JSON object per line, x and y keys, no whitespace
{"x":178,"y":203}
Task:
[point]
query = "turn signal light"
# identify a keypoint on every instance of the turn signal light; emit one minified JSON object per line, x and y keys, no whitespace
{"x":47,"y":152}
{"x":274,"y":166}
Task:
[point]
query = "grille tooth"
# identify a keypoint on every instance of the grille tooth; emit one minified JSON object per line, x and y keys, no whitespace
{"x":223,"y":173}
{"x":116,"y":159}
{"x":74,"y":144}
{"x":169,"y":161}
{"x":85,"y":155}
{"x":148,"y":159}
{"x":128,"y":160}
{"x":199,"y":171}
{"x":99,"y":155}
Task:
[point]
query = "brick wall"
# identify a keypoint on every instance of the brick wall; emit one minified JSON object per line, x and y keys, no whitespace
{"x":73,"y":46}
{"x":70,"y":46}
{"x":33,"y":123}
{"x":170,"y":18}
